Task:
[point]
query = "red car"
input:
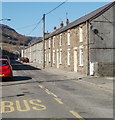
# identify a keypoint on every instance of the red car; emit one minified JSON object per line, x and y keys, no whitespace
{"x":5,"y":69}
{"x":24,"y":59}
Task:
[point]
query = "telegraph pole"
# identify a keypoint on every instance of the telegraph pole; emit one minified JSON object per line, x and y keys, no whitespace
{"x":43,"y":41}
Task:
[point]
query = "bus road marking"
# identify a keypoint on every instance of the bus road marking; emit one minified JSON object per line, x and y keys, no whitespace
{"x":21,"y":106}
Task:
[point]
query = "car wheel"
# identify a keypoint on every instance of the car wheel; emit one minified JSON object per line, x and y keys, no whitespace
{"x":10,"y":78}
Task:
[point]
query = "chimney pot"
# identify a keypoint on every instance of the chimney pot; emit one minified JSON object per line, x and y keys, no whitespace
{"x":67,"y":21}
{"x":54,"y":28}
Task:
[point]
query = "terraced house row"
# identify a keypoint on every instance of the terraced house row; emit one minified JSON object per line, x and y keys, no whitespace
{"x":84,"y":46}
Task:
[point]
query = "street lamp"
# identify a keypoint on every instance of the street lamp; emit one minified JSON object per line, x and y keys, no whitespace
{"x":5,"y":19}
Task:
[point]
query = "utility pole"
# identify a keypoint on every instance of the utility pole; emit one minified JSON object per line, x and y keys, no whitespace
{"x":43,"y":41}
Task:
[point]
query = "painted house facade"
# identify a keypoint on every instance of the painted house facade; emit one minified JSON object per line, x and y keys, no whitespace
{"x":34,"y":51}
{"x":83,"y":46}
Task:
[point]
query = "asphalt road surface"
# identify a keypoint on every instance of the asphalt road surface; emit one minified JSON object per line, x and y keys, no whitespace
{"x":34,"y":93}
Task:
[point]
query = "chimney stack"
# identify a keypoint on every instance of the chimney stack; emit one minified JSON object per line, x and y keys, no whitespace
{"x":62,"y":24}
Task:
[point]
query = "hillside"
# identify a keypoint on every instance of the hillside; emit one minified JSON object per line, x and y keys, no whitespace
{"x":10,"y":40}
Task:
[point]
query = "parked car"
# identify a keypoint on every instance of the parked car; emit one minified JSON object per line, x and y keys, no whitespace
{"x":24,"y":59}
{"x":5,"y":57}
{"x":5,"y":69}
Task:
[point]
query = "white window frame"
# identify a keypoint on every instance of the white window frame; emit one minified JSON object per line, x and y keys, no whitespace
{"x":49,"y":43}
{"x":60,"y":40}
{"x":53,"y":56}
{"x":53,"y":41}
{"x":49,"y":57}
{"x":68,"y":37}
{"x":60,"y":59}
{"x":80,"y":34}
{"x":68,"y":56}
{"x":45,"y":57}
{"x":81,"y":57}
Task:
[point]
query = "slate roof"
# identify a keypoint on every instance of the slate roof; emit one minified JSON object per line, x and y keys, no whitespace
{"x":36,"y":40}
{"x":88,"y":17}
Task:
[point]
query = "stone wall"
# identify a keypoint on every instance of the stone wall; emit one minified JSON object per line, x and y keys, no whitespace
{"x":101,"y":44}
{"x":35,"y":53}
{"x":104,"y":69}
{"x":74,"y":43}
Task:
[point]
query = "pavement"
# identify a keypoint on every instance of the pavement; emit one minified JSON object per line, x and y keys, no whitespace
{"x":102,"y":82}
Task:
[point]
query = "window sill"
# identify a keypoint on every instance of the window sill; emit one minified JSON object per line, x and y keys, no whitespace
{"x":68,"y":64}
{"x":80,"y":65}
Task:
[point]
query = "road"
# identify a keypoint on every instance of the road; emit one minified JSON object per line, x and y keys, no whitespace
{"x":34,"y":93}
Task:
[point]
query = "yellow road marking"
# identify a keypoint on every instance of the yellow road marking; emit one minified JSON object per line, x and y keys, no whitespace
{"x":59,"y":101}
{"x":36,"y":105}
{"x":41,"y":86}
{"x":7,"y":106}
{"x":27,"y":107}
{"x":76,"y":115}
{"x":21,"y":106}
{"x":48,"y":92}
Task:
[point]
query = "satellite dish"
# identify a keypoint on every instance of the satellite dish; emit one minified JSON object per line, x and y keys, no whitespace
{"x":95,"y":31}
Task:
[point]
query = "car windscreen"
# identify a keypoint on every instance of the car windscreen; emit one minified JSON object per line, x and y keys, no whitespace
{"x":3,"y":63}
{"x":4,"y":57}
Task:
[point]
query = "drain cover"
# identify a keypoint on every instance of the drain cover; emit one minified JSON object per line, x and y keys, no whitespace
{"x":20,"y":95}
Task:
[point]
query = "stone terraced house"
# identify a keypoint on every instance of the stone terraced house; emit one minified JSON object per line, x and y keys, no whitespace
{"x":85,"y":45}
{"x":34,"y":51}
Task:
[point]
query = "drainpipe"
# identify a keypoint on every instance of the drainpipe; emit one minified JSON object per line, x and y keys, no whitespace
{"x":88,"y":49}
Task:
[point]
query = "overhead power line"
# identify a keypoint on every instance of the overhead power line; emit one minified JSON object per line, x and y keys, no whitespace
{"x":24,"y":27}
{"x":41,"y":19}
{"x":35,"y":26}
{"x":56,"y":7}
